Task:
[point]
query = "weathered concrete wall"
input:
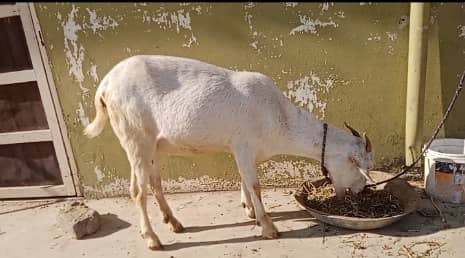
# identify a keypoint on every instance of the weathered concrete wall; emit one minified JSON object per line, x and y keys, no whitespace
{"x":341,"y":61}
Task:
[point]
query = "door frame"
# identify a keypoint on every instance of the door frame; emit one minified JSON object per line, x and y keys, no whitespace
{"x":57,"y":133}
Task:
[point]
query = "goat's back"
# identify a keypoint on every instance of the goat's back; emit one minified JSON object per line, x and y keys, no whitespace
{"x":194,"y":104}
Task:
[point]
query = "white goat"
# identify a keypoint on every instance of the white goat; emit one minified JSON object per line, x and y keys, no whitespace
{"x":180,"y":106}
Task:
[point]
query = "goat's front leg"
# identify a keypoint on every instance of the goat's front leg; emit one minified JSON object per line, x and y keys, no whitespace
{"x":338,"y":188}
{"x":157,"y":189}
{"x":246,"y":201}
{"x":247,"y":168}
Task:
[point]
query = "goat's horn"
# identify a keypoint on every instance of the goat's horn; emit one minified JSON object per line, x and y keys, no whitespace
{"x":354,"y":132}
{"x":367,"y":142}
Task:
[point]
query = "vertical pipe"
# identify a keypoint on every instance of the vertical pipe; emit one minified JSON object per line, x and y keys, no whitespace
{"x":417,"y":52}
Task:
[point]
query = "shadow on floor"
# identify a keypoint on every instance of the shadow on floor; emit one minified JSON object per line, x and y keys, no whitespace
{"x":275,"y":216}
{"x":109,"y":224}
{"x":424,"y":221}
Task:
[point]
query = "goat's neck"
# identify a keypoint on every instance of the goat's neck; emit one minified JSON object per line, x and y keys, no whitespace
{"x":304,"y":135}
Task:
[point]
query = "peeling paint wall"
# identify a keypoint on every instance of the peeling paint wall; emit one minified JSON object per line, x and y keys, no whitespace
{"x":341,"y":61}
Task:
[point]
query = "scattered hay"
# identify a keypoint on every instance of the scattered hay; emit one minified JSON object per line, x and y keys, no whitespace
{"x":422,"y":249}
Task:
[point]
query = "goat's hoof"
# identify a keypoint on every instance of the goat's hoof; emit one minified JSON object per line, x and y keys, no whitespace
{"x":166,"y":219}
{"x":270,"y":233}
{"x":154,"y":244}
{"x":249,"y":211}
{"x":177,"y":227}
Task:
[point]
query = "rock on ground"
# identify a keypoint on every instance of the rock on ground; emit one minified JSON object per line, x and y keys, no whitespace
{"x":78,"y":220}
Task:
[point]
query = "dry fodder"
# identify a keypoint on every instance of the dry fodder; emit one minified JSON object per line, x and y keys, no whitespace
{"x":367,"y":204}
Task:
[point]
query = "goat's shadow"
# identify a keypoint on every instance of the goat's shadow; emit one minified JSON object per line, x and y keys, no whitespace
{"x":414,"y":224}
{"x":109,"y":224}
{"x":275,"y":216}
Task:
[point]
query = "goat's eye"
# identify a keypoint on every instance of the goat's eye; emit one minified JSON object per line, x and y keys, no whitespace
{"x":354,"y":161}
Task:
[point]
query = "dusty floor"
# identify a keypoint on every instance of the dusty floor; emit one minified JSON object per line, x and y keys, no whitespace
{"x":218,"y":227}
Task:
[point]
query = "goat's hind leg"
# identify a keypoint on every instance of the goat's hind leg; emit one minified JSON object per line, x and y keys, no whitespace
{"x":133,"y":189}
{"x":140,"y":160}
{"x":168,"y":217}
{"x":139,"y":150}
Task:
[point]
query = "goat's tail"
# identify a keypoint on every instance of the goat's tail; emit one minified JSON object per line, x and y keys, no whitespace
{"x":96,"y":127}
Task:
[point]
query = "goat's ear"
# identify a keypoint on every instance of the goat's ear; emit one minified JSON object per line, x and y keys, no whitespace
{"x":352,"y":130}
{"x":367,"y":143}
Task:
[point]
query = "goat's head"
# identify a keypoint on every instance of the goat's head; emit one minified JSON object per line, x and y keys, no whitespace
{"x":350,"y":169}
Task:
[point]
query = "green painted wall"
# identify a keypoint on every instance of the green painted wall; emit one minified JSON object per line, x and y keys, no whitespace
{"x":342,"y":61}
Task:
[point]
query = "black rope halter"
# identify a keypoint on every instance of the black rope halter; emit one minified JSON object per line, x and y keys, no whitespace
{"x":323,"y":147}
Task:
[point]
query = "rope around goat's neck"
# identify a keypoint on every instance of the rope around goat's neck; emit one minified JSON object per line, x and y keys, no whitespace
{"x":323,"y":148}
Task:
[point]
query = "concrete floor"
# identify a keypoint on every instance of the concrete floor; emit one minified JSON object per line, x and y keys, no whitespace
{"x":216,"y":226}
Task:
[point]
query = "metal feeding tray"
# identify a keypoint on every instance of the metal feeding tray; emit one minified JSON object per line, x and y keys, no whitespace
{"x":400,"y":188}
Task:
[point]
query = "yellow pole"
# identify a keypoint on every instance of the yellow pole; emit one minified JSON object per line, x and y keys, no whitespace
{"x":417,"y":56}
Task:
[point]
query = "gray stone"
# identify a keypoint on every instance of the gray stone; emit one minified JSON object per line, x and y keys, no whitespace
{"x":77,"y":219}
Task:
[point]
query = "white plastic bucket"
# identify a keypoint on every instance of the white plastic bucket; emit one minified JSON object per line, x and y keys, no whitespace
{"x":445,"y":170}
